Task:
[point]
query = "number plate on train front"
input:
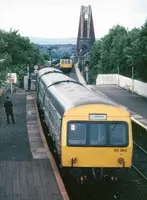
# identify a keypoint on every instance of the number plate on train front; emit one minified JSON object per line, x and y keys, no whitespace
{"x":120,"y":150}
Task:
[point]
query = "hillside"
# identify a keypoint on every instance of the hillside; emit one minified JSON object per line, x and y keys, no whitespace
{"x":57,"y":51}
{"x":55,"y":41}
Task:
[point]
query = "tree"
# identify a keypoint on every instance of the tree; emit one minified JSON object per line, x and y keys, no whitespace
{"x":17,"y":51}
{"x":121,"y":49}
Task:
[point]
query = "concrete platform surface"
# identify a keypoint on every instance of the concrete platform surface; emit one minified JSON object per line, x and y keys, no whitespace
{"x":27,"y":168}
{"x":134,"y":103}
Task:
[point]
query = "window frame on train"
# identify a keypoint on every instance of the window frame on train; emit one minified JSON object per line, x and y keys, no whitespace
{"x":108,"y":140}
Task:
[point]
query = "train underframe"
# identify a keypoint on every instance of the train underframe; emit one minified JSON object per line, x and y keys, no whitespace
{"x":66,"y":70}
{"x":90,"y":175}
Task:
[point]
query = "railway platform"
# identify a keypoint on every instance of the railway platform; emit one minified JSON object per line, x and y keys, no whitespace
{"x":134,"y":103}
{"x":27,"y":168}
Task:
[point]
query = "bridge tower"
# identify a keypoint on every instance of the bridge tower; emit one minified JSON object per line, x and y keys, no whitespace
{"x":86,"y":34}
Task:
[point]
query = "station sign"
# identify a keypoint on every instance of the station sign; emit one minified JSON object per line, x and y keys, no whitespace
{"x":36,"y":67}
{"x":12,"y":78}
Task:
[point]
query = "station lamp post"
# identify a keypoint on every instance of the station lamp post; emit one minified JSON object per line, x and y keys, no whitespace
{"x":86,"y":71}
{"x":118,"y":75}
{"x":132,"y":79}
{"x":28,"y":69}
{"x":28,"y":74}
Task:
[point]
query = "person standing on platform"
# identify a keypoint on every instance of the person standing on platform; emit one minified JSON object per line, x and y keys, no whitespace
{"x":9,"y":109}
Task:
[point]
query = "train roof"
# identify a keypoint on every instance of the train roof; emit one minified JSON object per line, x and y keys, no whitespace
{"x":47,"y":70}
{"x":66,"y":93}
{"x":70,"y":95}
{"x":50,"y":77}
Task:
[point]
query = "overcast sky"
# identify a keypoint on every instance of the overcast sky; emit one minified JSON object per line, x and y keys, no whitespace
{"x":60,"y":18}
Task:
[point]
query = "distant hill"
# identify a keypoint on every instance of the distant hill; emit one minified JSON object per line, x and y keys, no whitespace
{"x":57,"y":50}
{"x":47,"y":41}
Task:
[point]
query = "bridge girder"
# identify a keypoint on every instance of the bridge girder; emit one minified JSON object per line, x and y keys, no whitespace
{"x":86,"y":34}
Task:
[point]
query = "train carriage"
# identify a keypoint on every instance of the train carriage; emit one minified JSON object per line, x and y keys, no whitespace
{"x":66,"y":64}
{"x":89,"y":131}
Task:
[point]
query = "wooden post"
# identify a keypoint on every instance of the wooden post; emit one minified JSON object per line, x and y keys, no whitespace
{"x":118,"y":76}
{"x":132,"y":79}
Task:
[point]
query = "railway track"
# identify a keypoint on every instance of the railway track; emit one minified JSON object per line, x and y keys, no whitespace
{"x":140,"y":160}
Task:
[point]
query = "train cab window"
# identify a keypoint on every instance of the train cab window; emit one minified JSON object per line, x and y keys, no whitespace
{"x":62,"y":61}
{"x":97,"y":134}
{"x":118,"y":134}
{"x":68,"y":61}
{"x":76,"y":134}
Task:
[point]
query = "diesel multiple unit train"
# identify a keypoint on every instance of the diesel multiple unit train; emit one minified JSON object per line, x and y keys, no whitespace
{"x":66,"y":64}
{"x":89,"y":131}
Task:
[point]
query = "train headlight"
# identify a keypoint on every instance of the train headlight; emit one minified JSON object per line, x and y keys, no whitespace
{"x":73,"y":160}
{"x":121,"y":161}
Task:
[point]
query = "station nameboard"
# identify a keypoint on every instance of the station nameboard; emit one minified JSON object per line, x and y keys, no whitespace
{"x":12,"y":78}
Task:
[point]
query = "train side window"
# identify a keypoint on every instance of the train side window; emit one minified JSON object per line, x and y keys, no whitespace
{"x":77,"y":134}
